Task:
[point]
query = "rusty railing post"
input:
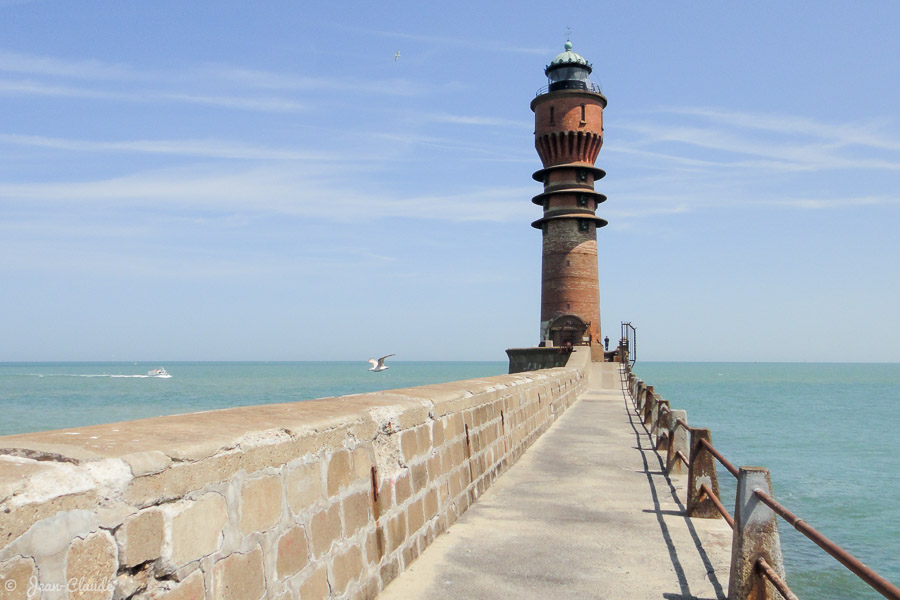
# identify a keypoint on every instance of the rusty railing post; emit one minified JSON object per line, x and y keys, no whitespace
{"x":648,"y":405}
{"x":661,"y":425}
{"x":679,"y":439}
{"x":641,"y":397}
{"x":636,"y":389}
{"x":755,"y":536}
{"x":702,"y":471}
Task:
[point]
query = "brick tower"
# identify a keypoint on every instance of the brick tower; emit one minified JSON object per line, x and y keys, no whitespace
{"x":568,"y":134}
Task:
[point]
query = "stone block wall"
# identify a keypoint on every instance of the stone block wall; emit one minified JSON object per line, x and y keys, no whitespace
{"x":328,"y":498}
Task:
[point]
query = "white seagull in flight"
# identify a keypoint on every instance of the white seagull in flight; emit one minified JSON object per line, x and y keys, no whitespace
{"x":396,"y":56}
{"x":378,"y":365}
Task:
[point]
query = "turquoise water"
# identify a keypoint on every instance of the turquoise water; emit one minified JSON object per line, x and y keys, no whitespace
{"x":827,"y":433}
{"x":41,"y":396}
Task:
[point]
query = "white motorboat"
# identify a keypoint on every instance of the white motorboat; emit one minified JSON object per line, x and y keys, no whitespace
{"x":158,"y":373}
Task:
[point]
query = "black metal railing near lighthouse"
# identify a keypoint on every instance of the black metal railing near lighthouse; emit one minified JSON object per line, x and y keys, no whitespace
{"x":588,"y":86}
{"x":757,"y":569}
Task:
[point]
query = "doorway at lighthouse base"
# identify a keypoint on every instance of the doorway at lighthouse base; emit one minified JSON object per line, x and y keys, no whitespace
{"x":568,"y":330}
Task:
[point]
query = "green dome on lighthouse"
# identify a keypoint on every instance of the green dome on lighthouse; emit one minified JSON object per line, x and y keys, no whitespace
{"x":567,"y":58}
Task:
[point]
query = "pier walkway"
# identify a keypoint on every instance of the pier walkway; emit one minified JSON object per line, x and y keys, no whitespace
{"x":586,"y":512}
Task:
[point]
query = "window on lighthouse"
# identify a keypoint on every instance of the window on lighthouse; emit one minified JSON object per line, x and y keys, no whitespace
{"x":572,"y":73}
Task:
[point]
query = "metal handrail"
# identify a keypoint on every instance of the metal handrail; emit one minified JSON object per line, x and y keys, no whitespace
{"x":630,"y":340}
{"x":728,"y":466}
{"x":704,"y":490}
{"x":876,"y":581}
{"x":769,"y":573}
{"x":857,"y":567}
{"x":873,"y":579}
{"x":591,"y":87}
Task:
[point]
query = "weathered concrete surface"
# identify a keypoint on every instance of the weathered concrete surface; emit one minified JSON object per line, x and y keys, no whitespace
{"x":586,"y":513}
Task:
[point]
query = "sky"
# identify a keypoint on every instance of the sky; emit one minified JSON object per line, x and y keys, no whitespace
{"x":238,"y":180}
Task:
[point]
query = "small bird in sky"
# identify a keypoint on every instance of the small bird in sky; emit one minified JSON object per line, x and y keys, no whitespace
{"x":396,"y":56}
{"x":378,"y":365}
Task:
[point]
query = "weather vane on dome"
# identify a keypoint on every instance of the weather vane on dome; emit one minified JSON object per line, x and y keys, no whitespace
{"x":568,"y":34}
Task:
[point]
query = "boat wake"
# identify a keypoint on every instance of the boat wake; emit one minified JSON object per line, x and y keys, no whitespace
{"x":100,"y":375}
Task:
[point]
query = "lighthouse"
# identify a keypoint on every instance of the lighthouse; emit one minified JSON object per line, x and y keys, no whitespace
{"x":568,"y":134}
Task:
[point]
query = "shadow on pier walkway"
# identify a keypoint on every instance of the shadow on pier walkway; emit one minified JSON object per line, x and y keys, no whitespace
{"x":587,"y":512}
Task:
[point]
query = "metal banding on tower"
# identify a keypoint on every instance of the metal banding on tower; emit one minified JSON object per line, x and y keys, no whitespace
{"x":568,"y":135}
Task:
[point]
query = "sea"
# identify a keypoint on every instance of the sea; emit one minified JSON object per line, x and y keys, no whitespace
{"x":826,"y":431}
{"x":42,"y":396}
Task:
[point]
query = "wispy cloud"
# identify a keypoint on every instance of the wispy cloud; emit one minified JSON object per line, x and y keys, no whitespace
{"x":732,"y":149}
{"x":733,"y":140}
{"x":637,"y":149}
{"x":291,"y":191}
{"x":821,"y":204}
{"x":27,"y":87}
{"x":268,"y":80}
{"x":470,"y":147}
{"x":865,"y":134}
{"x":205,"y":148}
{"x":479,"y":121}
{"x":225,"y":86}
{"x":139,"y":254}
{"x":225,"y":101}
{"x":11,"y":62}
{"x":684,"y":159}
{"x":369,"y":146}
{"x":36,"y":88}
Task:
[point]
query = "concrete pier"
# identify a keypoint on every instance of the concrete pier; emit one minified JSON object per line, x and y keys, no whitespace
{"x":535,"y":485}
{"x":587,"y":512}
